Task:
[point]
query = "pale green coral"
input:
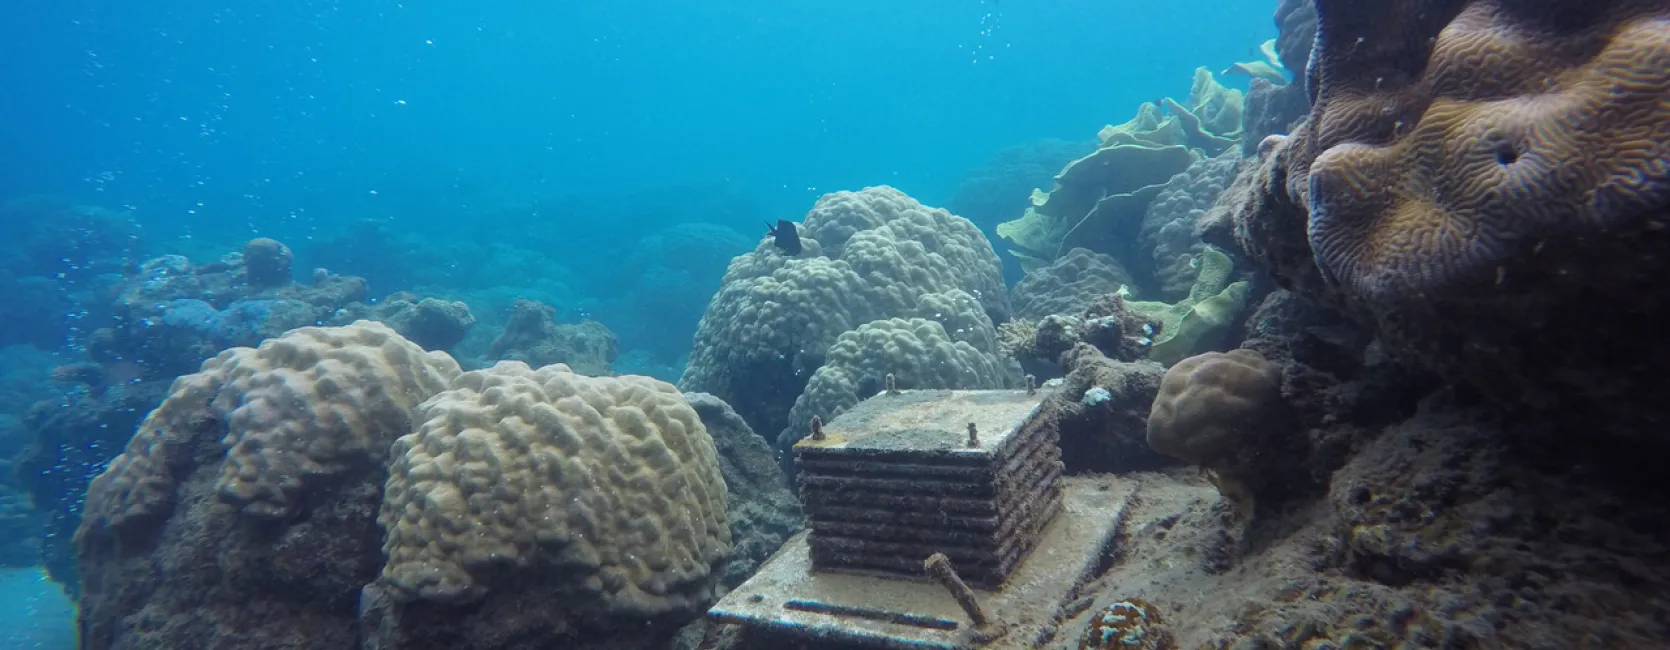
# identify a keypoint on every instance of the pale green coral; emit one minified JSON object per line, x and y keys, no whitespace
{"x":1198,"y":322}
{"x":1099,"y":197}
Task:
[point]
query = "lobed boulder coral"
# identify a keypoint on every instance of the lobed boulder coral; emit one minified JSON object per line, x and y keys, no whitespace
{"x":299,"y":410}
{"x":599,"y":498}
{"x":246,"y":511}
{"x":869,"y":255}
{"x":1487,"y":184}
{"x":242,"y":512}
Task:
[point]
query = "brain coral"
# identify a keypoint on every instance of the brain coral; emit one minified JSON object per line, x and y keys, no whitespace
{"x":300,"y":409}
{"x":1521,"y":128}
{"x":607,"y":488}
{"x":917,"y":352}
{"x":1473,"y":175}
{"x":869,"y":255}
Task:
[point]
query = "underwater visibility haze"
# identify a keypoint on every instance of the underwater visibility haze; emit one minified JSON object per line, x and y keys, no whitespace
{"x":948,"y":324}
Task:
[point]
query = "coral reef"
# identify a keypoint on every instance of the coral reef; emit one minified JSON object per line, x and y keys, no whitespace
{"x":1200,"y":321}
{"x":300,"y":410}
{"x":1468,"y":182}
{"x":267,"y":262}
{"x":245,"y":504}
{"x":1168,"y":235}
{"x":1098,"y":194}
{"x":508,"y":469}
{"x":1105,"y":322}
{"x":246,"y":509}
{"x":1274,"y":107}
{"x":533,"y":336}
{"x":869,"y":255}
{"x":170,"y":314}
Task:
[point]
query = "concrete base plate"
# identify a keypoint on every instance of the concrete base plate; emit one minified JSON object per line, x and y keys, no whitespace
{"x":787,"y":598}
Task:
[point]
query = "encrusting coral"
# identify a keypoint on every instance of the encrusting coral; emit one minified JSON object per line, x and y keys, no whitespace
{"x":608,"y":485}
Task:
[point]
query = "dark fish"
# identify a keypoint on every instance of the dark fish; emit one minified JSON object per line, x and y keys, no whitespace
{"x":787,"y":236}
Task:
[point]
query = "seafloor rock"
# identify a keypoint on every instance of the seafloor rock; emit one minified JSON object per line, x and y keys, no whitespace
{"x":1101,"y":408}
{"x":760,"y":503}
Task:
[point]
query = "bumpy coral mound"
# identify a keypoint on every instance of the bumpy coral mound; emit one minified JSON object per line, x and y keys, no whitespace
{"x":918,"y":353}
{"x":533,"y":336}
{"x":243,"y":511}
{"x":267,"y":262}
{"x":1068,"y":284}
{"x":296,"y":411}
{"x":1168,"y":238}
{"x":608,"y":488}
{"x":1473,"y":176}
{"x":1209,"y":404}
{"x":868,"y":255}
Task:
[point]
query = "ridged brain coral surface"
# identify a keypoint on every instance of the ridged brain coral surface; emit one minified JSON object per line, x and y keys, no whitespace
{"x":303,"y":407}
{"x":607,"y":486}
{"x":1440,"y":165}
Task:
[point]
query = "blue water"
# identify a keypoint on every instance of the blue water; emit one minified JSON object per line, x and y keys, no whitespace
{"x":522,"y":149}
{"x":36,"y":614}
{"x":216,"y":119}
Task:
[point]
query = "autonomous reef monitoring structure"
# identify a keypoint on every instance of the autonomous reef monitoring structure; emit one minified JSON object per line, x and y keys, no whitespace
{"x":937,"y":519}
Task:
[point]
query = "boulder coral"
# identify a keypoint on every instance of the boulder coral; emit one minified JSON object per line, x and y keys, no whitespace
{"x":1488,"y":184}
{"x":868,"y":255}
{"x":242,"y":512}
{"x":299,"y":410}
{"x":609,"y":485}
{"x":246,"y":510}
